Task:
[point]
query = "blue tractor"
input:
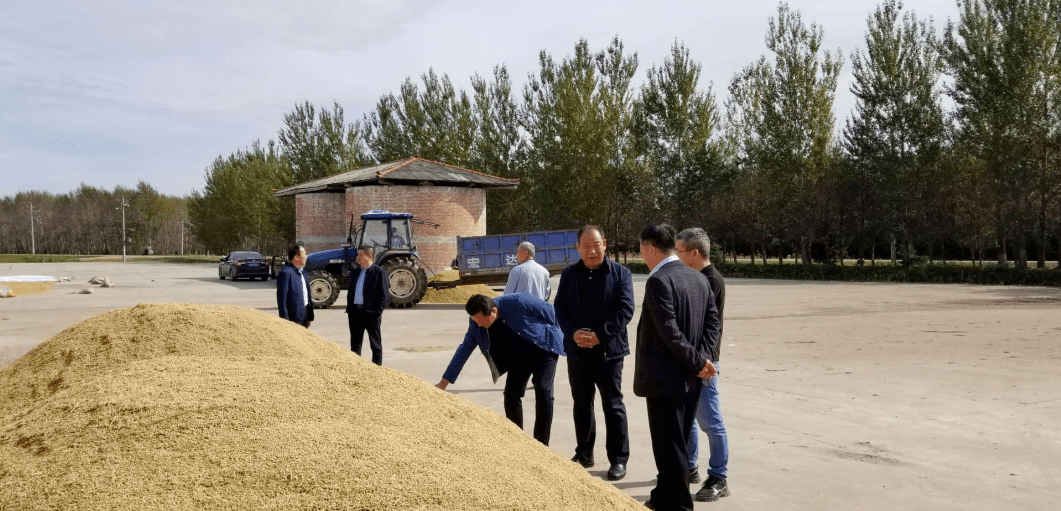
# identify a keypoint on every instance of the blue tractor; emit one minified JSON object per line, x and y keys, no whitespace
{"x":389,"y":233}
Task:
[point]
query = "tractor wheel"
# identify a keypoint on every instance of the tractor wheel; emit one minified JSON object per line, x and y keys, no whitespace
{"x":220,"y":275}
{"x":323,"y":289}
{"x":408,"y":282}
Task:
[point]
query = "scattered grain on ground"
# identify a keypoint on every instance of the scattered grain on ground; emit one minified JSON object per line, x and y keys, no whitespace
{"x":182,"y":406}
{"x":459,"y":294}
{"x":29,"y":288}
{"x":423,"y":349}
{"x":447,"y":275}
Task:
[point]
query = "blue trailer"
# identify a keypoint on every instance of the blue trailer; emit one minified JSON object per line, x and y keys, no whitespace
{"x":488,"y":259}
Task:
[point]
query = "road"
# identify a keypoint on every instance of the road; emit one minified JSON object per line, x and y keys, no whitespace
{"x":835,"y":395}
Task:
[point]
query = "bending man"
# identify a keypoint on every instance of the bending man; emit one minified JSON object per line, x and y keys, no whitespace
{"x":518,"y":334}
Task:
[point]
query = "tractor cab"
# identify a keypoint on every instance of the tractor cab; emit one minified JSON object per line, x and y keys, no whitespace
{"x":385,"y":232}
{"x":390,"y":236}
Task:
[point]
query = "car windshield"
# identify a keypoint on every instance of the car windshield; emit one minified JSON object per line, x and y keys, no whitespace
{"x":243,"y":256}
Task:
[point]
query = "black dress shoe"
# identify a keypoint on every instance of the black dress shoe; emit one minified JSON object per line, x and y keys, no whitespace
{"x":648,"y":504}
{"x":585,"y":462}
{"x":617,"y":472}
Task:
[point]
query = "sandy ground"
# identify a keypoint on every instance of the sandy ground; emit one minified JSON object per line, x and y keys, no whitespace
{"x":835,"y":395}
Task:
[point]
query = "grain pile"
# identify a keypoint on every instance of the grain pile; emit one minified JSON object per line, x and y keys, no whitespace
{"x":459,"y":294}
{"x":181,"y":406}
{"x":29,"y":288}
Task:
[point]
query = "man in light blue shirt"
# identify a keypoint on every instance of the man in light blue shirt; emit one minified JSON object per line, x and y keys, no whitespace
{"x":528,"y":276}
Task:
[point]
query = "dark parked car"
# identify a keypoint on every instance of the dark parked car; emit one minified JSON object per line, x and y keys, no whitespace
{"x":248,"y":265}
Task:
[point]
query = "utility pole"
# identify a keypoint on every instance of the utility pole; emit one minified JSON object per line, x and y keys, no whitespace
{"x":123,"y":206}
{"x":182,"y":236}
{"x":32,"y":233}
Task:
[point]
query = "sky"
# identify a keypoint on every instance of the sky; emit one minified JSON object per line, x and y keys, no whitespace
{"x":113,"y":92}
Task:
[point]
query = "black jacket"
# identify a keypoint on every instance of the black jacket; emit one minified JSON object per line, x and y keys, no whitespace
{"x":618,"y":309}
{"x":676,"y":333}
{"x":376,"y":291}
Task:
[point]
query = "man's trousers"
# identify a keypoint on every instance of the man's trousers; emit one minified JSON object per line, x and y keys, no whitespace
{"x":361,"y":322}
{"x":670,"y":419}
{"x":587,"y":375}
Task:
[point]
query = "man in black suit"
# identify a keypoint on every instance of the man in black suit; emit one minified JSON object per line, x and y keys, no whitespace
{"x":675,"y":337}
{"x":368,"y":294}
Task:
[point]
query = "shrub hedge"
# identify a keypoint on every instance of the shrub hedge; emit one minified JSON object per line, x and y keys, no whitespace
{"x":930,"y":274}
{"x":39,"y":258}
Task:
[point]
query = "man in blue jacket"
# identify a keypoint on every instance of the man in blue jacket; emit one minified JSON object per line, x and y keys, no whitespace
{"x":368,"y":295}
{"x":518,"y":334}
{"x":594,"y":304}
{"x":292,"y":293}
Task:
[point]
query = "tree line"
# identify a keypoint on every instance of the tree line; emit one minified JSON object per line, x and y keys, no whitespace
{"x":767,"y":171}
{"x":89,"y":221}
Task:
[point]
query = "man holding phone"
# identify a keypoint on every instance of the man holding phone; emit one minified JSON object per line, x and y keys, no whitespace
{"x":594,"y":304}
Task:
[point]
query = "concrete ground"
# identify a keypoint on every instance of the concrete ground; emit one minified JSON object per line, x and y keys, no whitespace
{"x":835,"y":395}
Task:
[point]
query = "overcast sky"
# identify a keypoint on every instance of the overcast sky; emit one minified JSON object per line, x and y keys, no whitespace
{"x":112,"y":92}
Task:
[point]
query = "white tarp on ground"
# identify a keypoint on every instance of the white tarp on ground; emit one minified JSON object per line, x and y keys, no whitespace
{"x":27,"y":278}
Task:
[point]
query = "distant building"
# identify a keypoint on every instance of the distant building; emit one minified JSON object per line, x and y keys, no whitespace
{"x":450,"y":196}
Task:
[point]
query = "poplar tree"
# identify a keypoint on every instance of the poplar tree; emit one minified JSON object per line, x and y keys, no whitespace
{"x":794,"y":138}
{"x":677,"y":122}
{"x":320,"y":144}
{"x":1003,"y":56}
{"x":437,"y":123}
{"x":496,"y":150}
{"x":569,"y":146}
{"x":894,"y":139}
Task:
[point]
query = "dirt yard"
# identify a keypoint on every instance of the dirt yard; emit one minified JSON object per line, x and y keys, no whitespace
{"x":835,"y":395}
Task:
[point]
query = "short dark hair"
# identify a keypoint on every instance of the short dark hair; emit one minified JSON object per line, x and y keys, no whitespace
{"x":586,"y":228}
{"x":479,"y":304}
{"x":367,"y":248}
{"x":660,"y":236}
{"x":293,"y":250}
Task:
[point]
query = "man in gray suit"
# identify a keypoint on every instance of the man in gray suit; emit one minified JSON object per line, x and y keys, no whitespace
{"x":675,"y":336}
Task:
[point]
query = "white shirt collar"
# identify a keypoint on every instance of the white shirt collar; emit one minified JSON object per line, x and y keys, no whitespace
{"x":669,"y":259}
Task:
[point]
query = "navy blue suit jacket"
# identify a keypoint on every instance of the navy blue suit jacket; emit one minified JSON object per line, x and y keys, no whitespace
{"x":289,"y":297}
{"x":527,"y":315}
{"x":618,"y":309}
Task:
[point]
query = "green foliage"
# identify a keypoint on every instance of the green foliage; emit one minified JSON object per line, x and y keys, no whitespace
{"x":237,"y":210}
{"x":638,"y":267}
{"x":39,"y":258}
{"x":569,"y":141}
{"x":320,"y":145}
{"x":89,"y":221}
{"x":676,"y":123}
{"x":895,"y":138}
{"x":1005,"y":58}
{"x":782,"y":113}
{"x":497,"y":147}
{"x":766,"y":175}
{"x":437,"y":124}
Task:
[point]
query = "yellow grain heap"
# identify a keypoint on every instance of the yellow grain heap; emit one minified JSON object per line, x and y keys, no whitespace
{"x":182,"y":406}
{"x":459,"y":294}
{"x":28,"y":288}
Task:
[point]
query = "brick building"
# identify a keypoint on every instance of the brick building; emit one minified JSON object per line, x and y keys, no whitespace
{"x":450,"y":196}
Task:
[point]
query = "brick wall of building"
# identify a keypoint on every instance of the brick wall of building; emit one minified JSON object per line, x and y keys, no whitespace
{"x":321,"y":219}
{"x":317,"y":220}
